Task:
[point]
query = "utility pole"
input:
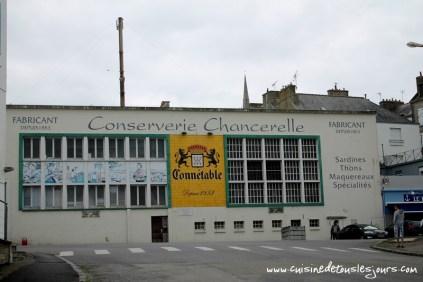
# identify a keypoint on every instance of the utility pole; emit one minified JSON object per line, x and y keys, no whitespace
{"x":119,"y":27}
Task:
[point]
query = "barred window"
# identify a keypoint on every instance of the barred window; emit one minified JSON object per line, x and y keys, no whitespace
{"x":293,"y":192}
{"x":290,"y":148}
{"x":239,"y":225}
{"x":236,"y":170}
{"x":312,"y":192}
{"x":309,"y":147}
{"x":272,"y":148}
{"x":310,"y":170}
{"x":236,"y":193}
{"x":292,"y":170}
{"x":254,"y":148}
{"x":200,"y":226}
{"x":273,"y":170}
{"x":257,"y":224}
{"x":275,"y":193}
{"x":219,"y":225}
{"x":234,"y":148}
{"x":255,"y":193}
{"x":276,"y":223}
{"x":295,"y":222}
{"x":254,"y":170}
{"x":314,"y":223}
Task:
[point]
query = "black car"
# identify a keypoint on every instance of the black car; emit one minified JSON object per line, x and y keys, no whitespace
{"x":411,"y":228}
{"x":361,"y":231}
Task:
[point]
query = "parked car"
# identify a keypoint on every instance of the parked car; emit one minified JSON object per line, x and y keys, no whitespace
{"x":361,"y":231}
{"x":411,"y":228}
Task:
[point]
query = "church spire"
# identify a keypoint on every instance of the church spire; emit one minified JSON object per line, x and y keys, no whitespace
{"x":245,"y":100}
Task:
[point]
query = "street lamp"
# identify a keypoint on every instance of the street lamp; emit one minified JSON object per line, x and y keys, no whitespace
{"x":414,"y":44}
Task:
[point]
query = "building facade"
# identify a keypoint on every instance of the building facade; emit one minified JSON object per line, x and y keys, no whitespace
{"x":107,"y":174}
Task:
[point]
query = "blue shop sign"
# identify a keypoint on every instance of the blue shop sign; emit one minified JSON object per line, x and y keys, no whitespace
{"x":413,"y":197}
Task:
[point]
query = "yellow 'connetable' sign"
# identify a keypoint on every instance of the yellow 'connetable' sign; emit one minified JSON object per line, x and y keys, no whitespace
{"x":197,"y":171}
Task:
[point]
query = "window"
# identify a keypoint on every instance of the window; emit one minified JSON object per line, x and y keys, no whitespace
{"x":74,"y":148}
{"x":199,"y":226}
{"x":53,"y":148}
{"x":31,"y":197}
{"x":138,"y":195}
{"x":157,"y":148}
{"x":395,"y":137}
{"x":420,"y":114}
{"x":257,"y":224}
{"x":289,"y":170}
{"x":219,"y":225}
{"x":96,"y":196}
{"x":295,"y":222}
{"x":31,"y":148}
{"x":238,"y":225}
{"x":117,"y":196}
{"x":95,"y":148}
{"x":116,"y":148}
{"x":276,"y":223}
{"x":136,"y":148}
{"x":53,"y":197}
{"x":75,"y":197}
{"x":314,"y":223}
{"x":158,"y":195}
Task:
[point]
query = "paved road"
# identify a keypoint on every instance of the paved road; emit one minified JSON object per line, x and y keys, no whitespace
{"x":240,"y":261}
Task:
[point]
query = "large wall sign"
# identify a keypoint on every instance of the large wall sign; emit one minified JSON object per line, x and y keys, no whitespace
{"x":197,"y":171}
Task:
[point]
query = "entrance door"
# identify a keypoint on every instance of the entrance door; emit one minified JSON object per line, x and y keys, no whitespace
{"x":159,"y":230}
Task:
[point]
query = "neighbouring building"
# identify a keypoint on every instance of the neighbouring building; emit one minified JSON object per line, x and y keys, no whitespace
{"x":110,"y":174}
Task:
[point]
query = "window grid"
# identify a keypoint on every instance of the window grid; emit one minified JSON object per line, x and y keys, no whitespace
{"x":236,"y":193}
{"x":219,"y":225}
{"x":75,"y":196}
{"x":254,"y":170}
{"x":236,"y":170}
{"x":53,"y":197}
{"x":275,"y":193}
{"x":293,"y":192}
{"x":96,"y":148}
{"x":31,"y":197}
{"x":295,"y":222}
{"x":257,"y":224}
{"x":96,"y":196}
{"x":239,"y":225}
{"x":137,"y":148}
{"x":117,"y":196}
{"x":157,"y":148}
{"x":309,"y":147}
{"x":310,"y":170}
{"x":116,"y":148}
{"x":234,"y":148}
{"x":255,"y":193}
{"x":74,"y":148}
{"x":53,"y":148}
{"x":312,"y":192}
{"x":31,"y":148}
{"x":254,"y":148}
{"x":199,"y":226}
{"x":272,"y":148}
{"x":290,"y":147}
{"x":314,"y":223}
{"x":158,"y":195}
{"x":277,"y":223}
{"x":292,"y":170}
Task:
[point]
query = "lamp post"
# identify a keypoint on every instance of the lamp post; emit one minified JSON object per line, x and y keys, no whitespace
{"x":412,"y":44}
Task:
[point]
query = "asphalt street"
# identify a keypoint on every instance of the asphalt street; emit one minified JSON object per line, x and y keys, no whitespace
{"x":349,"y":260}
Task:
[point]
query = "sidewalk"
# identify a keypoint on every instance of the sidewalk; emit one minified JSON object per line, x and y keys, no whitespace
{"x":413,"y":246}
{"x":39,"y":268}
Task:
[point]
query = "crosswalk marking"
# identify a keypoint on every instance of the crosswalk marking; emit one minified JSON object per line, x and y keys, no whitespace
{"x":364,"y":250}
{"x":205,"y":248}
{"x":335,"y":249}
{"x":272,"y":248}
{"x":101,"y":252}
{"x":305,"y":249}
{"x":238,"y":248}
{"x":136,"y":250}
{"x":66,"y":254}
{"x":171,"y":249}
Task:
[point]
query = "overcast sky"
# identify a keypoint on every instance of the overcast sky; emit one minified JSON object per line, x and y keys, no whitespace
{"x":195,"y":53}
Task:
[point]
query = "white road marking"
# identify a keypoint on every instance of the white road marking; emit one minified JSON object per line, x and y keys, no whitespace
{"x":305,"y":249}
{"x":335,"y":249}
{"x":365,"y":250}
{"x":205,"y":248}
{"x":171,"y":249}
{"x":239,"y":248}
{"x":136,"y":250}
{"x":272,"y":248}
{"x":66,"y":254}
{"x":101,"y":252}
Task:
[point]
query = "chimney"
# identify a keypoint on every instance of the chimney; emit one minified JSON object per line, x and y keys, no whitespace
{"x":391,"y":105}
{"x":419,"y":82}
{"x":335,"y":92}
{"x":165,"y":104}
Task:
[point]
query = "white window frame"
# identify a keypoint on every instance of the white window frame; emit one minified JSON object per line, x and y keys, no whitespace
{"x":154,"y":148}
{"x":74,"y":141}
{"x":116,"y":145}
{"x":139,"y":152}
{"x":158,"y":187}
{"x":56,"y":197}
{"x":96,"y":150}
{"x":115,"y":196}
{"x":200,"y":226}
{"x":97,"y":199}
{"x":32,"y":195}
{"x":72,"y":202}
{"x":31,"y":152}
{"x":138,"y":187}
{"x":50,"y":145}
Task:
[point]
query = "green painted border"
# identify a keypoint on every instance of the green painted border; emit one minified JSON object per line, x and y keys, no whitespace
{"x":169,"y":190}
{"x":63,"y":134}
{"x":315,"y":137}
